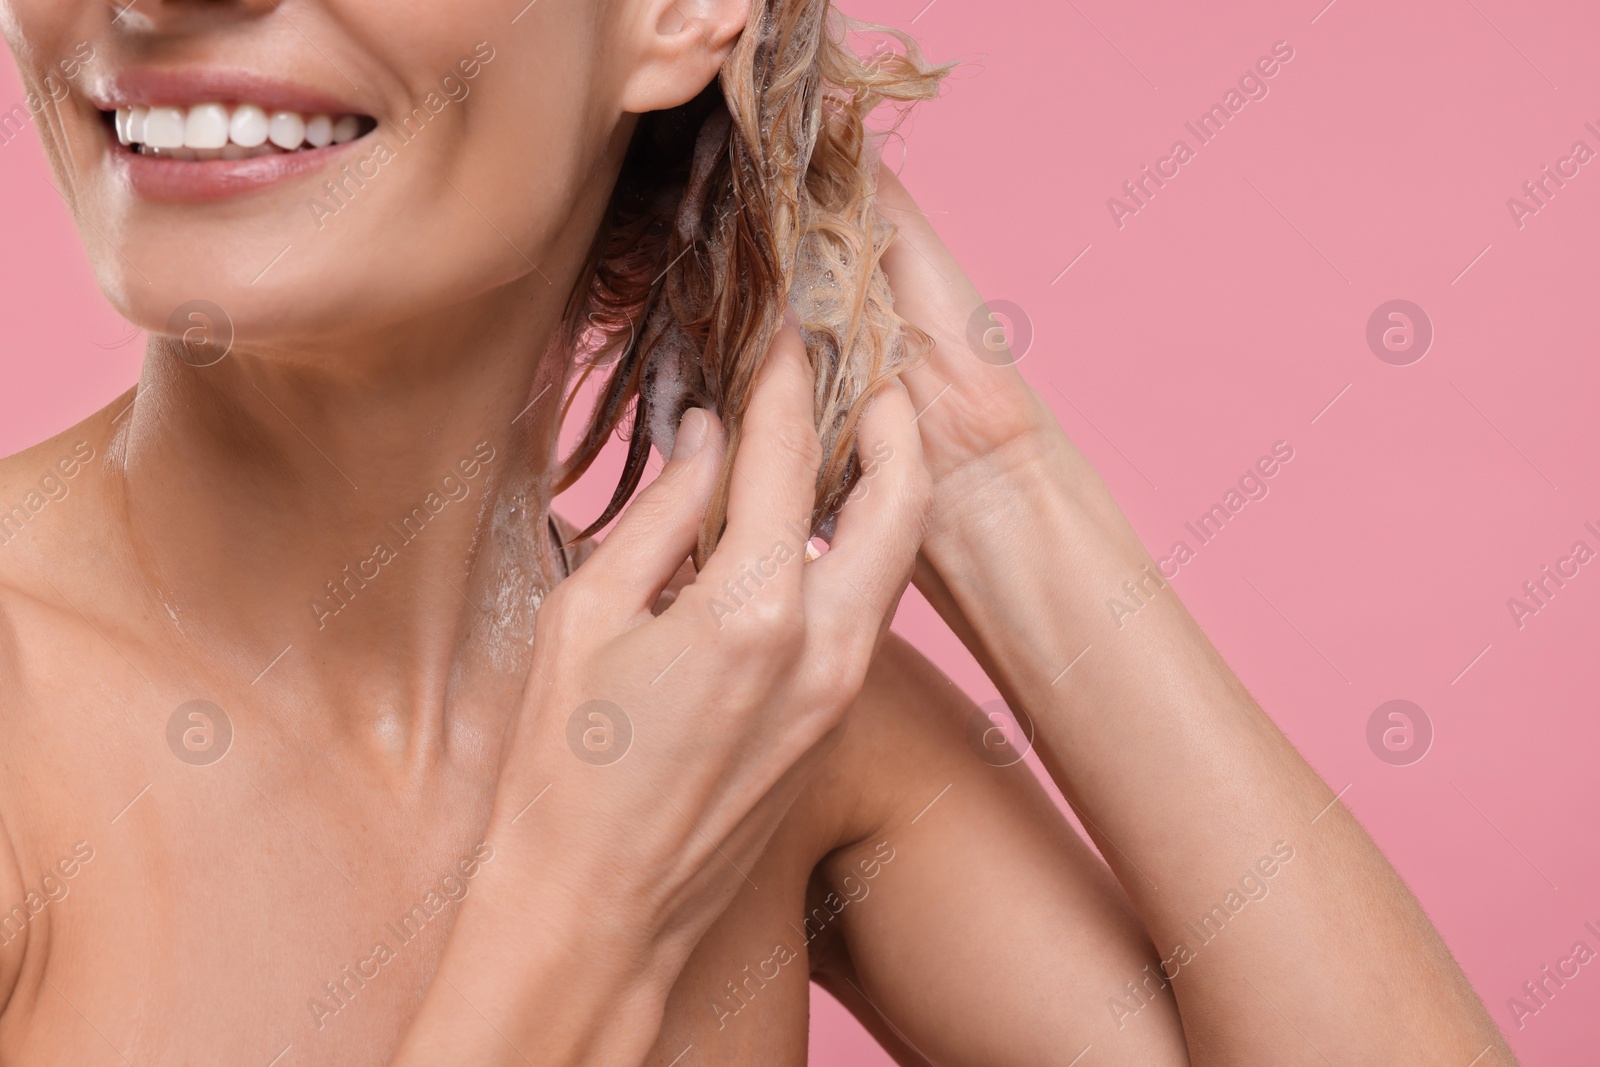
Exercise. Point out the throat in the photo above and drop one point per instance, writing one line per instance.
(394, 616)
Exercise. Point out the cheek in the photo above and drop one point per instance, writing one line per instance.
(33, 28)
(496, 185)
(481, 195)
(44, 38)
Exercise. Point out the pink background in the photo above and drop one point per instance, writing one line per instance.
(1224, 316)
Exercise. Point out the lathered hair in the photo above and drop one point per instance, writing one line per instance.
(757, 195)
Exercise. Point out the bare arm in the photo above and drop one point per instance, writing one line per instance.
(977, 926)
(1188, 788)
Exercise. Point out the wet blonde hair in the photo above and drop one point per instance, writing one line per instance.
(756, 196)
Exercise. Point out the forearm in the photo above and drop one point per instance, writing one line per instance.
(1189, 788)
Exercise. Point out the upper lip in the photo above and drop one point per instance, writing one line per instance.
(157, 87)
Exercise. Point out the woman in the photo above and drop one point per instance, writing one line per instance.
(320, 745)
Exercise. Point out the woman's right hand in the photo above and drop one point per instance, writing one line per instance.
(664, 750)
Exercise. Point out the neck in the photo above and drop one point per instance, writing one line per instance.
(378, 508)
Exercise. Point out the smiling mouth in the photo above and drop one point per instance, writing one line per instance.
(233, 132)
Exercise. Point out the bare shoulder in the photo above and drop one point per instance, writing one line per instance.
(52, 544)
(38, 516)
(908, 744)
(47, 545)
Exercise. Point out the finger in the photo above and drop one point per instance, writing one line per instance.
(658, 529)
(853, 589)
(773, 485)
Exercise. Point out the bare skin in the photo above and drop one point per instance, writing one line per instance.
(218, 904)
(1184, 783)
(801, 796)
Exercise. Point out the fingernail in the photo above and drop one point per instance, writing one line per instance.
(691, 434)
(790, 318)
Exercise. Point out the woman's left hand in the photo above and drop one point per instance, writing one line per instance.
(1009, 489)
(983, 428)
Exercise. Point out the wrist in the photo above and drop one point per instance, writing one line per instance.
(1028, 555)
(555, 955)
(1027, 517)
(556, 855)
(531, 971)
(558, 880)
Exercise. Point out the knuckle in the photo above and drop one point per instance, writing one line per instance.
(552, 612)
(570, 605)
(819, 689)
(776, 621)
(764, 640)
(738, 638)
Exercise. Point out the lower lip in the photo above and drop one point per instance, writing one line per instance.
(185, 181)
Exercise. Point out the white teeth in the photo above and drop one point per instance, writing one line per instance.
(214, 131)
(249, 126)
(163, 128)
(287, 129)
(186, 154)
(319, 131)
(206, 127)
